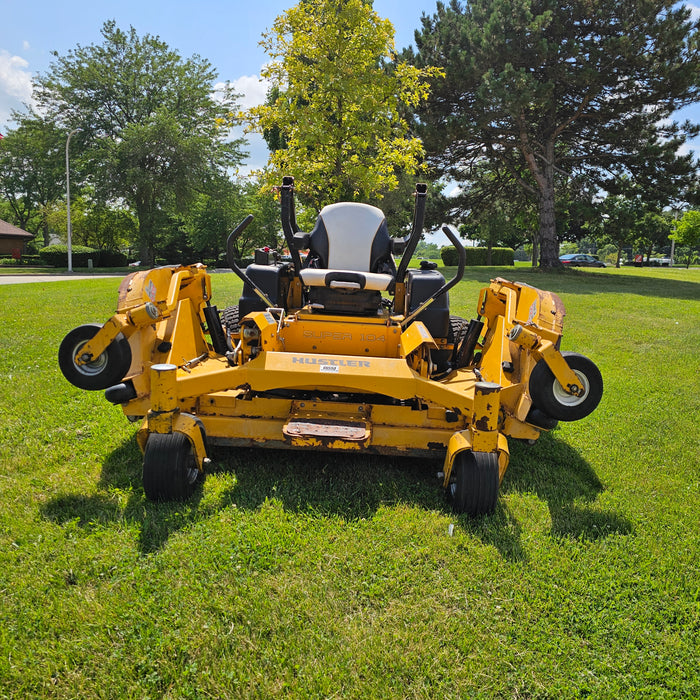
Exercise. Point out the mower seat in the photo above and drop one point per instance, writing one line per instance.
(349, 248)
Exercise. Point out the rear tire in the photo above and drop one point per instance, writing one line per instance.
(230, 319)
(170, 470)
(102, 372)
(475, 483)
(442, 359)
(549, 396)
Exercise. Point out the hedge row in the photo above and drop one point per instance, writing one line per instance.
(57, 256)
(7, 260)
(477, 256)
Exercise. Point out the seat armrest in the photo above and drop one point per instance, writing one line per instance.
(301, 240)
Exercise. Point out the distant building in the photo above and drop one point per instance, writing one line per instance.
(13, 239)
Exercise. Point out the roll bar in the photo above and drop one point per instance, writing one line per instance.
(289, 220)
(416, 231)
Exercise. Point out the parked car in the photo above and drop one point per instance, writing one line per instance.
(581, 260)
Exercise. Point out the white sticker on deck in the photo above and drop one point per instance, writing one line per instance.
(329, 368)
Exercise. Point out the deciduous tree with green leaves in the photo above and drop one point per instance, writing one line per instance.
(620, 215)
(686, 232)
(222, 207)
(550, 89)
(339, 102)
(154, 125)
(32, 171)
(652, 229)
(93, 224)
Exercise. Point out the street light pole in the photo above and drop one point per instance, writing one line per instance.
(70, 246)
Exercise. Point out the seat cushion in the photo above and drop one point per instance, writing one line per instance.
(344, 279)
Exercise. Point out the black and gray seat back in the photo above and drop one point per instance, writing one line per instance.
(349, 257)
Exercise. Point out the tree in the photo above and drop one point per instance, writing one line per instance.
(337, 107)
(653, 230)
(153, 128)
(431, 251)
(686, 232)
(32, 171)
(620, 216)
(549, 90)
(219, 210)
(93, 224)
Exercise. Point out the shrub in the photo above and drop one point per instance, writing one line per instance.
(111, 258)
(57, 255)
(477, 256)
(7, 260)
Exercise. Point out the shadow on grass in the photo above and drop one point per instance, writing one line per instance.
(588, 281)
(352, 486)
(121, 479)
(558, 475)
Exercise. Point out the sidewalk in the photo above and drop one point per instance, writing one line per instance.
(54, 277)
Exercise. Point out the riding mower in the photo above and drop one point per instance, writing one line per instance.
(340, 350)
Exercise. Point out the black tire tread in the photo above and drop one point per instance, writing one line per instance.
(118, 356)
(230, 319)
(166, 468)
(476, 483)
(541, 384)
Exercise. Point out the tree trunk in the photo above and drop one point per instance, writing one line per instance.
(535, 248)
(145, 244)
(549, 244)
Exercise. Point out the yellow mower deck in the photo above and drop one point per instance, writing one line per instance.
(298, 378)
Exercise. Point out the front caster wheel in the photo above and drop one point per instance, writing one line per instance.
(475, 483)
(549, 396)
(170, 470)
(102, 372)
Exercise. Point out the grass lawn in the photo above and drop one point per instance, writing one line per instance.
(311, 575)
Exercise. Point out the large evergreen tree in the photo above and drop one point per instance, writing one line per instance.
(549, 89)
(152, 126)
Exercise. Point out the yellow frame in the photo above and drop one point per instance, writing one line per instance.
(183, 385)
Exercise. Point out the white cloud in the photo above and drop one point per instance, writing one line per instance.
(15, 79)
(15, 84)
(26, 45)
(694, 12)
(253, 91)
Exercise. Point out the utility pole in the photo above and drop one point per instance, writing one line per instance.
(70, 243)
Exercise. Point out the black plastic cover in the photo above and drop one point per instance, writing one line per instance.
(420, 285)
(272, 279)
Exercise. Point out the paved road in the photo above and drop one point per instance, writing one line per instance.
(53, 277)
(64, 276)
